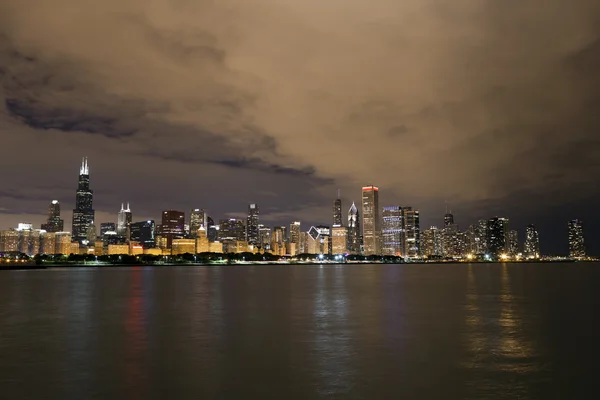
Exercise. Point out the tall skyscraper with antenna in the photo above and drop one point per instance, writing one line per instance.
(124, 219)
(337, 211)
(83, 214)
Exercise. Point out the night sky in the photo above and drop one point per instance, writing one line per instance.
(492, 106)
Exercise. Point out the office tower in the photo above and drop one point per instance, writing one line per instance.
(124, 219)
(197, 220)
(63, 243)
(354, 237)
(212, 230)
(532, 242)
(295, 234)
(337, 211)
(279, 240)
(9, 241)
(482, 232)
(54, 223)
(412, 232)
(83, 214)
(232, 229)
(513, 243)
(143, 233)
(172, 226)
(371, 221)
(496, 236)
(391, 231)
(339, 240)
(264, 234)
(576, 242)
(107, 227)
(476, 238)
(448, 219)
(432, 242)
(252, 235)
(450, 241)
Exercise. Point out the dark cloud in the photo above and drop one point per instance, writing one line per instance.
(490, 105)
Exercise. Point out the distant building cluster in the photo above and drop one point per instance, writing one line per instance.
(373, 231)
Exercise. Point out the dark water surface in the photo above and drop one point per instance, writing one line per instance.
(522, 331)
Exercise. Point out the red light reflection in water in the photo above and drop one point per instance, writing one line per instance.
(136, 343)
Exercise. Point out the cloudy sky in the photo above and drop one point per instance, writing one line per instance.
(492, 106)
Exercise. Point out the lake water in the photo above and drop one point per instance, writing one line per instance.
(486, 331)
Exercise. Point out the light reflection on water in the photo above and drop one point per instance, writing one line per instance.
(299, 332)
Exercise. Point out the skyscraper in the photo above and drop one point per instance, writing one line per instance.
(124, 219)
(143, 233)
(354, 238)
(576, 242)
(107, 227)
(337, 211)
(532, 242)
(371, 221)
(339, 240)
(252, 235)
(412, 232)
(232, 229)
(432, 242)
(54, 223)
(512, 243)
(83, 214)
(295, 233)
(392, 231)
(197, 219)
(497, 236)
(264, 234)
(172, 226)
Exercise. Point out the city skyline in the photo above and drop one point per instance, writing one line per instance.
(391, 230)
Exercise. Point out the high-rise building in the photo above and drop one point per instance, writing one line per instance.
(264, 234)
(450, 240)
(371, 220)
(54, 223)
(295, 233)
(319, 240)
(212, 230)
(252, 235)
(448, 219)
(107, 227)
(532, 242)
(432, 242)
(476, 238)
(497, 236)
(337, 211)
(412, 232)
(83, 214)
(391, 231)
(339, 240)
(143, 233)
(197, 220)
(513, 243)
(124, 219)
(172, 226)
(576, 241)
(232, 229)
(354, 236)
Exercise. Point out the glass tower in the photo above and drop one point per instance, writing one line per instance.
(83, 214)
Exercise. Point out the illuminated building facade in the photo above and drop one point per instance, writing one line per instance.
(264, 234)
(124, 219)
(252, 233)
(513, 243)
(143, 233)
(294, 240)
(371, 222)
(337, 211)
(432, 242)
(183, 246)
(54, 222)
(532, 242)
(83, 214)
(107, 227)
(339, 240)
(197, 220)
(496, 236)
(412, 232)
(172, 226)
(576, 241)
(391, 231)
(354, 236)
